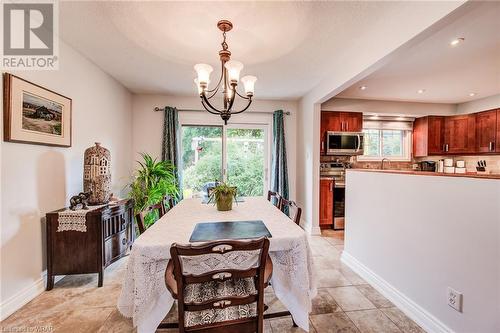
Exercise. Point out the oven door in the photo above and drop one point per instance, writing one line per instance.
(344, 143)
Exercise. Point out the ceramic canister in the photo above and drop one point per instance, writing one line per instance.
(97, 174)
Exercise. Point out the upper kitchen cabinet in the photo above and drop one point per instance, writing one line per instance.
(428, 136)
(486, 131)
(351, 121)
(460, 134)
(334, 121)
(341, 121)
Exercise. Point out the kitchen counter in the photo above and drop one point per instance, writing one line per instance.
(429, 173)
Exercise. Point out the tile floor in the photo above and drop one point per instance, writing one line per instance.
(345, 302)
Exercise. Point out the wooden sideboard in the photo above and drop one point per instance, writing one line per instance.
(110, 233)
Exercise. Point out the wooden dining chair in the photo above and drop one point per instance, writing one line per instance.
(219, 286)
(167, 203)
(141, 216)
(294, 211)
(274, 198)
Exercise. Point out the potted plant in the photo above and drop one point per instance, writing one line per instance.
(223, 195)
(151, 182)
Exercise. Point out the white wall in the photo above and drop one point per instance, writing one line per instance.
(38, 179)
(483, 104)
(422, 234)
(388, 107)
(148, 125)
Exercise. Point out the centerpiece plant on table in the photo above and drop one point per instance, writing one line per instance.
(223, 195)
(151, 182)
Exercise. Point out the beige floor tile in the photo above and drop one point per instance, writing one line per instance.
(373, 321)
(335, 241)
(325, 263)
(324, 303)
(402, 321)
(285, 325)
(116, 323)
(350, 298)
(374, 296)
(337, 322)
(273, 303)
(329, 278)
(350, 275)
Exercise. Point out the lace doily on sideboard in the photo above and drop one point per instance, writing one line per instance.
(74, 220)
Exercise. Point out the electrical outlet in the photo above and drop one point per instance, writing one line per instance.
(455, 299)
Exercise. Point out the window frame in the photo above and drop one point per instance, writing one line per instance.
(406, 147)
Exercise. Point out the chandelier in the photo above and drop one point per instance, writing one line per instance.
(227, 83)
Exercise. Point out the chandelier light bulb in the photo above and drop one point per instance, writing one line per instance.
(200, 88)
(203, 71)
(233, 70)
(249, 84)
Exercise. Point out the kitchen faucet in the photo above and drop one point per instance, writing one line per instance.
(382, 162)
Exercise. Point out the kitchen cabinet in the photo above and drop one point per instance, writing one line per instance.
(428, 136)
(460, 134)
(339, 122)
(486, 131)
(326, 203)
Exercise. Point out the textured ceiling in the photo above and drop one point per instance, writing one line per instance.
(447, 74)
(150, 47)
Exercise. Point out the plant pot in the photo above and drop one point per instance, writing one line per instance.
(224, 202)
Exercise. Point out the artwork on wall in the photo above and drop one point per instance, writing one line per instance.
(33, 114)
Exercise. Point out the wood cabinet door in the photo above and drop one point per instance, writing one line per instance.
(498, 131)
(352, 121)
(460, 134)
(326, 203)
(486, 131)
(435, 135)
(331, 121)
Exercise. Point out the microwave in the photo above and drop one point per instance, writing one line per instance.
(344, 143)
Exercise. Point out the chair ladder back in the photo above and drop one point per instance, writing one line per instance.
(141, 216)
(256, 273)
(293, 205)
(274, 198)
(167, 203)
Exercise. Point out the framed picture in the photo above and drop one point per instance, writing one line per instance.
(33, 114)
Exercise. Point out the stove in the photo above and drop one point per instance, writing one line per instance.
(335, 170)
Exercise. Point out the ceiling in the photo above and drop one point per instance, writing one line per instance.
(151, 47)
(448, 74)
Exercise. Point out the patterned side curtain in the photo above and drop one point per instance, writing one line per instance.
(279, 172)
(170, 145)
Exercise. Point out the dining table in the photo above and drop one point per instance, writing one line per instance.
(144, 296)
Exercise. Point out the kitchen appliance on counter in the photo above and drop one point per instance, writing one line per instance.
(427, 166)
(344, 143)
(336, 171)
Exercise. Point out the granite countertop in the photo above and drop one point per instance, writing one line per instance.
(438, 174)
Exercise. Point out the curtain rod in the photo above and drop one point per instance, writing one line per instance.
(156, 109)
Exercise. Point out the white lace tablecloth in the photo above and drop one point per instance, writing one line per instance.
(144, 296)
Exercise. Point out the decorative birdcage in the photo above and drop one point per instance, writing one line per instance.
(97, 174)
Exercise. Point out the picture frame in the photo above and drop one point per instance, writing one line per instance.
(34, 114)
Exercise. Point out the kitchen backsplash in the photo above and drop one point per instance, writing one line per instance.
(492, 161)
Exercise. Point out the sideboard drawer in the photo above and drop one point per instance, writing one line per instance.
(115, 246)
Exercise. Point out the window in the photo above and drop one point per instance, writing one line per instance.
(393, 144)
(233, 153)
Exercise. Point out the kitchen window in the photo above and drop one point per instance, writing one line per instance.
(386, 139)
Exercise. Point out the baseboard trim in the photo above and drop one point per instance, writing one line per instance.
(418, 314)
(17, 301)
